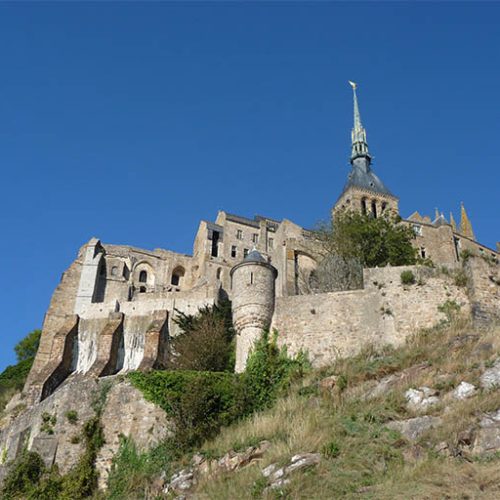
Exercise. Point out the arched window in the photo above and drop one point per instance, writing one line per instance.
(219, 273)
(363, 206)
(374, 209)
(143, 277)
(177, 276)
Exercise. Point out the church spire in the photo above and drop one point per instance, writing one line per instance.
(452, 222)
(358, 134)
(465, 223)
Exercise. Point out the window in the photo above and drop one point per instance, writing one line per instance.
(215, 243)
(114, 271)
(142, 289)
(177, 276)
(271, 243)
(363, 206)
(251, 278)
(417, 229)
(219, 273)
(384, 206)
(143, 277)
(245, 252)
(239, 234)
(423, 253)
(374, 209)
(233, 252)
(255, 238)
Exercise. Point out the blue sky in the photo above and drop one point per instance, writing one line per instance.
(133, 121)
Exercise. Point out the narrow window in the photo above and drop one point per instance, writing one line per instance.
(374, 209)
(363, 206)
(239, 234)
(143, 277)
(219, 272)
(142, 289)
(175, 279)
(215, 243)
(255, 238)
(271, 243)
(384, 206)
(423, 253)
(233, 252)
(245, 252)
(251, 278)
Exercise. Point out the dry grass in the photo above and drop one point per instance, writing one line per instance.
(370, 461)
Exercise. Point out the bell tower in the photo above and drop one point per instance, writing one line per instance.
(364, 192)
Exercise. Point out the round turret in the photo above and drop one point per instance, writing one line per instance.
(252, 302)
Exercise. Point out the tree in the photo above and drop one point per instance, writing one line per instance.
(27, 347)
(374, 242)
(352, 241)
(205, 343)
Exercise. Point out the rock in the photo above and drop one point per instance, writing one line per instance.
(414, 454)
(487, 438)
(181, 481)
(413, 428)
(391, 381)
(269, 470)
(197, 459)
(491, 377)
(421, 398)
(328, 383)
(302, 461)
(464, 390)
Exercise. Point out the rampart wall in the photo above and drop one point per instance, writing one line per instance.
(386, 311)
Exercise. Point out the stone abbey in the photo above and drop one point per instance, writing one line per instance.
(114, 307)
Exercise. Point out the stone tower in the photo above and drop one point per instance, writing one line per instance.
(364, 192)
(253, 294)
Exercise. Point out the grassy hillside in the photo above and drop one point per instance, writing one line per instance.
(12, 380)
(348, 425)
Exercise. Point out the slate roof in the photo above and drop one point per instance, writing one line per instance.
(363, 177)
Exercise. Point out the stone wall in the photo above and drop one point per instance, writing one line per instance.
(385, 311)
(484, 288)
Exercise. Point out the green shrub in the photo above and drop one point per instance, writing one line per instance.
(23, 476)
(206, 342)
(72, 416)
(331, 449)
(450, 309)
(460, 278)
(408, 278)
(269, 371)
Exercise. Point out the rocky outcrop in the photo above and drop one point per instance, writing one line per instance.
(413, 428)
(53, 428)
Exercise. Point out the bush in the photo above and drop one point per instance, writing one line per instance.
(371, 241)
(198, 402)
(460, 278)
(408, 278)
(23, 476)
(72, 416)
(205, 343)
(269, 371)
(450, 309)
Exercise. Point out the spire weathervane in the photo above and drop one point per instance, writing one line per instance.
(358, 134)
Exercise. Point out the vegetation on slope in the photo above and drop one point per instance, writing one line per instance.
(362, 457)
(12, 379)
